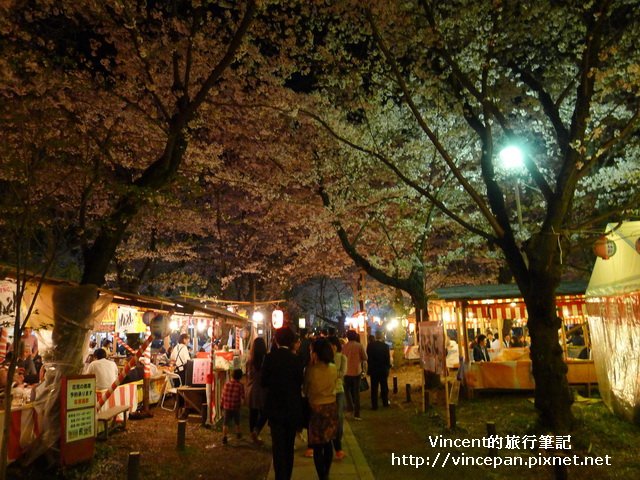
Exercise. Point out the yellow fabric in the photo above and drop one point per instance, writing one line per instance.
(320, 383)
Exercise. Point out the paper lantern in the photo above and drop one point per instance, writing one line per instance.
(148, 316)
(277, 319)
(160, 326)
(638, 244)
(604, 248)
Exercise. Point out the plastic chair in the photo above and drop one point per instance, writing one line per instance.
(171, 389)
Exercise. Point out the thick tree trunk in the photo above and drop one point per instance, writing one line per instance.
(553, 397)
(73, 318)
(420, 303)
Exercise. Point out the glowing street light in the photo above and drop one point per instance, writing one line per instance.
(512, 157)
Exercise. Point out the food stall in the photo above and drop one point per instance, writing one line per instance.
(467, 311)
(108, 314)
(128, 319)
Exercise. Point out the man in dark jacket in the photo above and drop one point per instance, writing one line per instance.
(282, 376)
(480, 352)
(378, 369)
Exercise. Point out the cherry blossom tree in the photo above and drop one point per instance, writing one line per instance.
(474, 77)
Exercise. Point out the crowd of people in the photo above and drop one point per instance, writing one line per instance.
(298, 383)
(487, 347)
(306, 383)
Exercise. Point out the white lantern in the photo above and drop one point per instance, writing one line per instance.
(277, 319)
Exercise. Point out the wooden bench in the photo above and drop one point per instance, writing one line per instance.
(108, 416)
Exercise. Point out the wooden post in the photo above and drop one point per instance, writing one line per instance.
(395, 384)
(447, 401)
(465, 334)
(205, 413)
(452, 416)
(424, 392)
(560, 471)
(408, 392)
(182, 432)
(133, 467)
(146, 385)
(491, 431)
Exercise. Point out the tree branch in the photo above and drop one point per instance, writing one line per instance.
(400, 175)
(604, 149)
(475, 196)
(224, 62)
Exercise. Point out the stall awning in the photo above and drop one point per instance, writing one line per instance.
(504, 302)
(500, 291)
(185, 307)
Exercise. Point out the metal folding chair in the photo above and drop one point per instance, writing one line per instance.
(170, 388)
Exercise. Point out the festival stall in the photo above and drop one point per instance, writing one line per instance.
(613, 306)
(63, 313)
(29, 400)
(467, 311)
(128, 319)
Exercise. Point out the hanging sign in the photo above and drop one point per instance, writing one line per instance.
(7, 303)
(130, 320)
(201, 368)
(432, 351)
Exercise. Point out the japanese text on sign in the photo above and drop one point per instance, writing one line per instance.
(80, 424)
(81, 393)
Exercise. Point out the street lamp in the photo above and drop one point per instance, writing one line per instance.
(512, 159)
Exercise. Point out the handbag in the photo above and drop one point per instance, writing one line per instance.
(306, 413)
(364, 384)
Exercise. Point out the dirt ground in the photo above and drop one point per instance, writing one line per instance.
(401, 429)
(156, 438)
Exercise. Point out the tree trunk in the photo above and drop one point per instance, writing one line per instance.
(73, 318)
(420, 303)
(553, 397)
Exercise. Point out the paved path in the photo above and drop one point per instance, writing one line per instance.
(353, 467)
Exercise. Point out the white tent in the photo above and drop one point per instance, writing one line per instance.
(613, 307)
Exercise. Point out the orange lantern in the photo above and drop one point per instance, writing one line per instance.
(604, 248)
